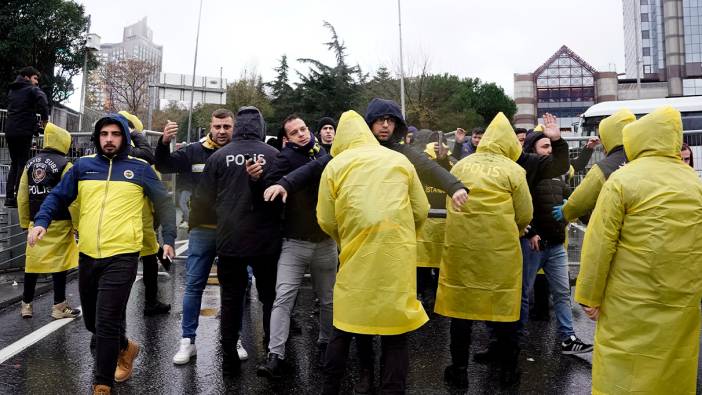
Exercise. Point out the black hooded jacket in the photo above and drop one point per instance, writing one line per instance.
(24, 101)
(430, 173)
(545, 194)
(247, 226)
(540, 167)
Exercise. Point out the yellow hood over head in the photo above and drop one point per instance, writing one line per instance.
(499, 138)
(352, 132)
(56, 138)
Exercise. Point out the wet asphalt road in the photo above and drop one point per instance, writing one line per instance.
(62, 364)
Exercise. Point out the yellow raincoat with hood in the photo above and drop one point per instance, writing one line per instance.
(641, 263)
(582, 201)
(430, 239)
(372, 203)
(481, 270)
(58, 250)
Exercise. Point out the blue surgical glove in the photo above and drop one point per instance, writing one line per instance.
(557, 211)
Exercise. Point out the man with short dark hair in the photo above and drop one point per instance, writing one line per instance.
(110, 187)
(190, 160)
(25, 101)
(521, 135)
(463, 147)
(304, 243)
(543, 248)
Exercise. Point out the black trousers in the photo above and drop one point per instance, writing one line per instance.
(394, 361)
(233, 280)
(19, 147)
(30, 284)
(105, 285)
(427, 280)
(150, 277)
(505, 333)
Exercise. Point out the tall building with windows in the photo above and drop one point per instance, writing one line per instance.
(137, 43)
(565, 85)
(663, 42)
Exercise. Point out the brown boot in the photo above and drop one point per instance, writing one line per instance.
(101, 389)
(125, 362)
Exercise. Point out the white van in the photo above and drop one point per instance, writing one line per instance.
(690, 108)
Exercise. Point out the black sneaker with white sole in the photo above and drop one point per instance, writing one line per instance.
(573, 345)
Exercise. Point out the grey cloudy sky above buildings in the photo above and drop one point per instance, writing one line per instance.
(491, 40)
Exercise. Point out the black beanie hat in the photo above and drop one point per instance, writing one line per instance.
(325, 121)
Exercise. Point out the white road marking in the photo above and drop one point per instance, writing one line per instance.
(182, 248)
(32, 338)
(27, 341)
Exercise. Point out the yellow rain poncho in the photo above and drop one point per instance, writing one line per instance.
(430, 240)
(641, 264)
(481, 270)
(372, 203)
(582, 201)
(58, 250)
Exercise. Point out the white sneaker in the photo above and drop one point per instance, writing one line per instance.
(186, 350)
(243, 355)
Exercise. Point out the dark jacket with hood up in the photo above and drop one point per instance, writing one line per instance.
(300, 215)
(24, 102)
(545, 194)
(539, 167)
(429, 172)
(247, 226)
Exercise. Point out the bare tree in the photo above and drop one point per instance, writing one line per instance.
(126, 84)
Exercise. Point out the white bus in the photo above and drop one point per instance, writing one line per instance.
(690, 108)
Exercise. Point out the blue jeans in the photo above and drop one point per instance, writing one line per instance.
(202, 249)
(554, 261)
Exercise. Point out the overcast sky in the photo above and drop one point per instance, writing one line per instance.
(490, 39)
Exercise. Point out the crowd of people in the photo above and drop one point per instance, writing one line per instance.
(350, 203)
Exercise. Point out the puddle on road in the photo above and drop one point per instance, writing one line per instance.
(208, 312)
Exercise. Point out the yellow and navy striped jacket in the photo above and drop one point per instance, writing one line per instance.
(110, 193)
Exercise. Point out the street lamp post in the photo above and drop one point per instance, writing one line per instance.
(92, 43)
(192, 87)
(402, 69)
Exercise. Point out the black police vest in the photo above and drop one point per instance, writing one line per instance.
(43, 174)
